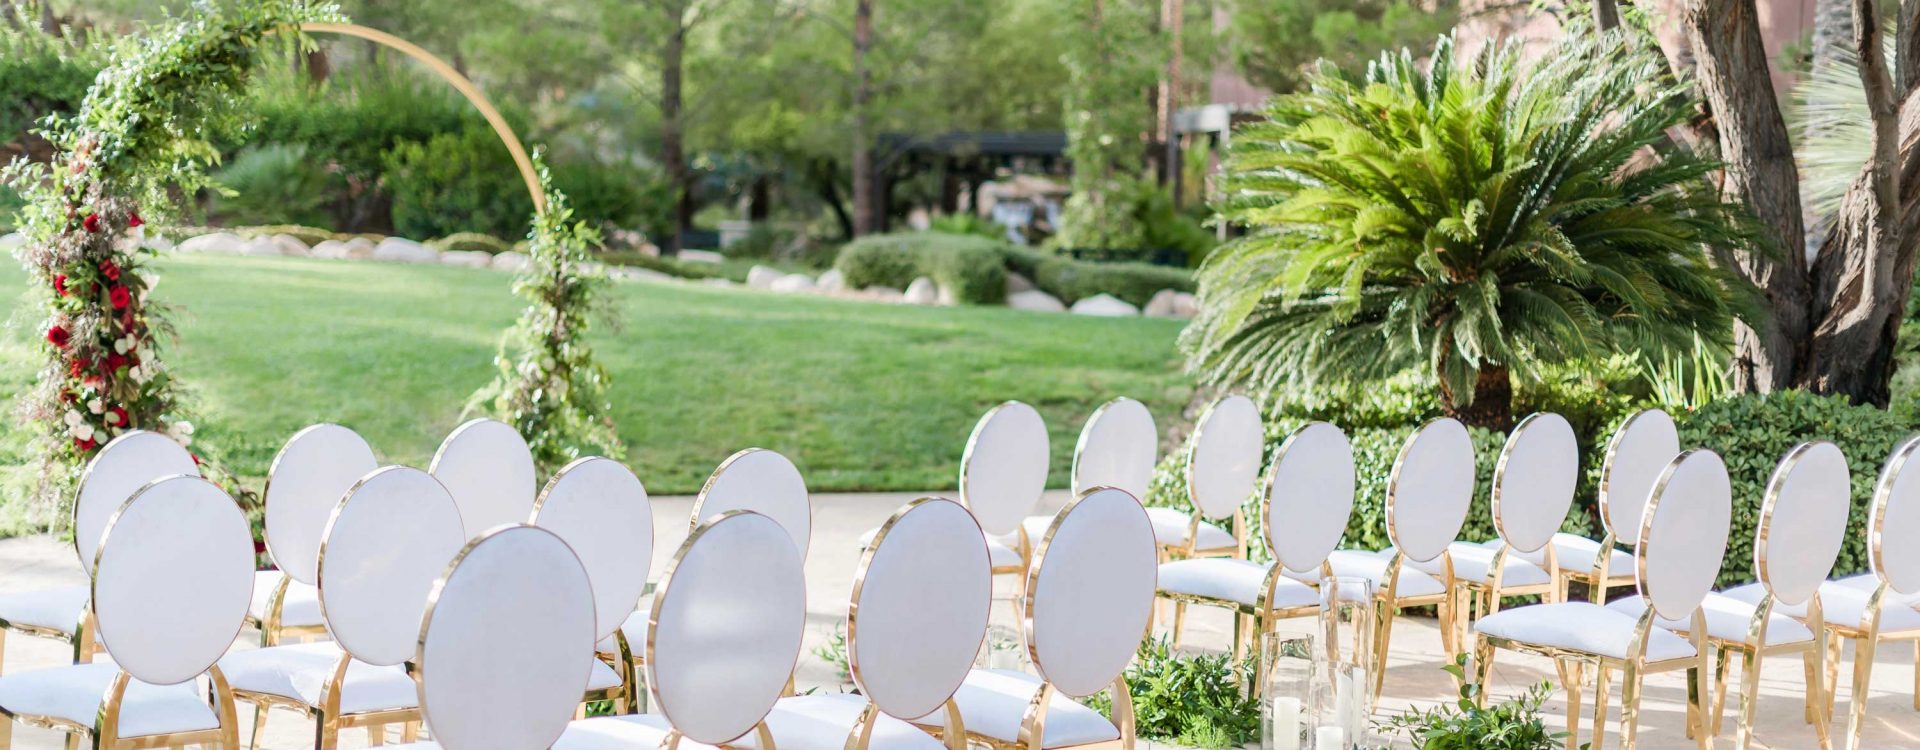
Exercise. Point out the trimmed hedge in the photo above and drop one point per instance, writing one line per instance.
(1072, 280)
(485, 243)
(972, 269)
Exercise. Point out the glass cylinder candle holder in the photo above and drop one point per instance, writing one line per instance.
(1339, 700)
(1284, 685)
(1347, 610)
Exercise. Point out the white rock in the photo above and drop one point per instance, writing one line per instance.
(922, 292)
(945, 298)
(719, 282)
(291, 246)
(1034, 299)
(883, 294)
(360, 248)
(329, 249)
(1105, 305)
(793, 282)
(466, 258)
(762, 277)
(701, 256)
(831, 282)
(159, 243)
(1185, 306)
(1017, 284)
(403, 250)
(215, 243)
(1161, 305)
(511, 260)
(262, 248)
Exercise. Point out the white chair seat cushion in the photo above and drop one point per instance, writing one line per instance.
(1575, 554)
(1233, 580)
(1001, 551)
(602, 676)
(1727, 620)
(1472, 561)
(301, 608)
(626, 733)
(635, 628)
(1843, 604)
(1868, 582)
(1580, 626)
(300, 671)
(993, 701)
(1373, 567)
(57, 609)
(1170, 530)
(823, 722)
(74, 694)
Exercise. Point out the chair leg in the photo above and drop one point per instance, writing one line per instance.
(1239, 637)
(1570, 678)
(376, 735)
(1814, 670)
(1816, 697)
(1722, 664)
(1482, 669)
(6, 733)
(1179, 623)
(1916, 675)
(73, 742)
(1381, 641)
(1862, 679)
(259, 726)
(1749, 700)
(410, 732)
(1600, 699)
(326, 732)
(1630, 684)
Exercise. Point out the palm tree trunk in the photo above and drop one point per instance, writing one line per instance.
(1492, 405)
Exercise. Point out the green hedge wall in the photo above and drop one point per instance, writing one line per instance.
(971, 268)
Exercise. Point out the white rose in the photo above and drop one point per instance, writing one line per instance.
(120, 346)
(84, 431)
(74, 418)
(182, 429)
(96, 406)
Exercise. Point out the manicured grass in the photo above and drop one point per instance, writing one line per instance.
(861, 396)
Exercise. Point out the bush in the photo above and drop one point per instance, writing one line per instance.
(1194, 701)
(275, 184)
(470, 241)
(1752, 432)
(969, 224)
(1073, 281)
(1464, 725)
(456, 182)
(972, 269)
(616, 194)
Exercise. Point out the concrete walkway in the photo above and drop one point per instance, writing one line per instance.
(1414, 676)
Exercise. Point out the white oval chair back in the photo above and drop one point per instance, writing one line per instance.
(387, 542)
(1896, 519)
(124, 465)
(309, 475)
(1004, 470)
(1118, 448)
(1223, 459)
(1683, 533)
(1309, 496)
(601, 511)
(172, 578)
(506, 643)
(727, 626)
(1430, 489)
(1803, 521)
(1089, 594)
(1636, 456)
(1534, 481)
(488, 468)
(764, 482)
(919, 608)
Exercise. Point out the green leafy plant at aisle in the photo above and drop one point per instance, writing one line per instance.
(144, 133)
(1481, 220)
(1191, 700)
(1463, 725)
(550, 388)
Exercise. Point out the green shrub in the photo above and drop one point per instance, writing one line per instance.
(470, 241)
(1464, 725)
(616, 194)
(972, 269)
(275, 184)
(1194, 701)
(457, 182)
(762, 241)
(969, 224)
(1752, 432)
(1072, 280)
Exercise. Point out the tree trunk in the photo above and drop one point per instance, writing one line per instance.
(864, 199)
(1606, 15)
(1733, 71)
(673, 156)
(1906, 53)
(1492, 405)
(1172, 18)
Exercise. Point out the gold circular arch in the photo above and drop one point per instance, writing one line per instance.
(460, 83)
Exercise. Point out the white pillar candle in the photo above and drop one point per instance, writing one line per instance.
(1329, 738)
(1346, 702)
(1286, 723)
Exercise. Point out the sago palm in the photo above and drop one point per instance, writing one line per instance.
(1474, 219)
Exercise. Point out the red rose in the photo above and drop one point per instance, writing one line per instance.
(84, 445)
(60, 284)
(109, 270)
(92, 222)
(120, 416)
(76, 367)
(196, 459)
(58, 336)
(133, 219)
(120, 297)
(69, 397)
(115, 362)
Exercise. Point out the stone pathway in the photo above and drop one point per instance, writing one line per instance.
(1414, 677)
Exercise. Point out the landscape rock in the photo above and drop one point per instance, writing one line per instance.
(215, 243)
(885, 294)
(701, 256)
(1105, 305)
(402, 250)
(1034, 299)
(945, 297)
(157, 243)
(793, 282)
(762, 277)
(510, 261)
(291, 246)
(467, 258)
(1186, 305)
(330, 250)
(1017, 284)
(831, 282)
(718, 282)
(262, 248)
(922, 292)
(1161, 305)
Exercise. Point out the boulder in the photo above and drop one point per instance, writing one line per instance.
(1185, 305)
(922, 292)
(701, 256)
(762, 277)
(831, 282)
(1034, 299)
(1017, 284)
(1105, 305)
(793, 282)
(262, 248)
(466, 258)
(329, 249)
(215, 243)
(510, 261)
(291, 246)
(402, 250)
(360, 248)
(1161, 305)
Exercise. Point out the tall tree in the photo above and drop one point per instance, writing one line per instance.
(865, 210)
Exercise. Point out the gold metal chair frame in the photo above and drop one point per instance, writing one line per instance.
(1752, 650)
(81, 641)
(1596, 579)
(104, 733)
(272, 632)
(1192, 549)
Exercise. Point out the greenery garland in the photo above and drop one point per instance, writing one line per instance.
(143, 136)
(550, 388)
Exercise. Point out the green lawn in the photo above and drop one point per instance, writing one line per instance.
(861, 396)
